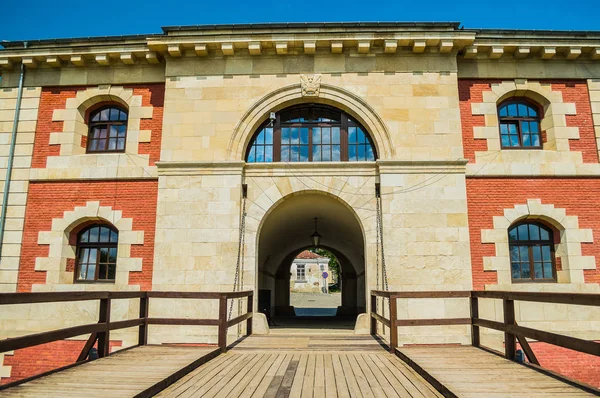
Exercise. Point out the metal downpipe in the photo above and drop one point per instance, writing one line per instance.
(11, 155)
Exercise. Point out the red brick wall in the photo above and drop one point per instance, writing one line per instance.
(48, 200)
(488, 197)
(55, 98)
(32, 361)
(471, 91)
(569, 363)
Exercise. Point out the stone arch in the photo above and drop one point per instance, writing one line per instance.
(568, 250)
(292, 95)
(60, 249)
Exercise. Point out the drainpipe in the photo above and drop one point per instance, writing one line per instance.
(11, 155)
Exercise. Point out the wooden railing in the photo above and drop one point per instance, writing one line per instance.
(512, 331)
(100, 331)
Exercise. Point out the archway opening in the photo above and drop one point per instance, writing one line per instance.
(285, 233)
(315, 284)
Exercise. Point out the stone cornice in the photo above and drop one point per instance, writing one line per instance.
(301, 169)
(199, 168)
(422, 167)
(298, 39)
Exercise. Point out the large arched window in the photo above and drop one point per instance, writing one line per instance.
(311, 133)
(531, 253)
(97, 253)
(108, 129)
(519, 124)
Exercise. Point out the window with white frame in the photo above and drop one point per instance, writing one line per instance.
(300, 272)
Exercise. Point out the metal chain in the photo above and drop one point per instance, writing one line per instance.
(240, 253)
(377, 255)
(383, 268)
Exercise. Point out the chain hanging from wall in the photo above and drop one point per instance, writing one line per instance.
(383, 284)
(238, 281)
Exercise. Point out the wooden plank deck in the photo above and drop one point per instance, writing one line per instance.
(139, 370)
(474, 373)
(304, 366)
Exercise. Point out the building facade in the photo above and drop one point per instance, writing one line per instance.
(167, 161)
(306, 273)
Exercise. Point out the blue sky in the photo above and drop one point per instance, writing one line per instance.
(42, 19)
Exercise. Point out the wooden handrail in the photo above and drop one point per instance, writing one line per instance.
(100, 331)
(512, 331)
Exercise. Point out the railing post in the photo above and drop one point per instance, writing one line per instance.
(393, 323)
(249, 310)
(510, 344)
(143, 330)
(373, 310)
(475, 337)
(223, 322)
(104, 337)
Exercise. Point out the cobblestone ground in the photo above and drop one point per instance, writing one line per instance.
(315, 300)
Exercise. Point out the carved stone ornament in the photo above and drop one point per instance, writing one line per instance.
(311, 84)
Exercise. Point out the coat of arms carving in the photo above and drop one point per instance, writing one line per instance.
(311, 84)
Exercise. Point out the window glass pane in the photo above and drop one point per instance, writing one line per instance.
(268, 154)
(504, 128)
(326, 135)
(537, 253)
(370, 154)
(524, 127)
(260, 153)
(335, 135)
(261, 138)
(544, 235)
(335, 153)
(304, 153)
(525, 271)
(114, 237)
(104, 254)
(514, 140)
(526, 140)
(524, 253)
(512, 234)
(361, 153)
(532, 112)
(84, 236)
(96, 117)
(361, 136)
(352, 152)
(316, 135)
(516, 270)
(512, 110)
(534, 232)
(503, 111)
(269, 135)
(352, 135)
(122, 130)
(295, 135)
(121, 144)
(102, 271)
(546, 253)
(101, 133)
(523, 232)
(94, 233)
(112, 144)
(251, 157)
(285, 135)
(522, 110)
(535, 140)
(304, 135)
(112, 270)
(104, 234)
(93, 145)
(548, 271)
(112, 255)
(101, 144)
(104, 114)
(285, 153)
(316, 153)
(538, 271)
(326, 153)
(534, 127)
(514, 253)
(114, 114)
(512, 129)
(123, 116)
(505, 140)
